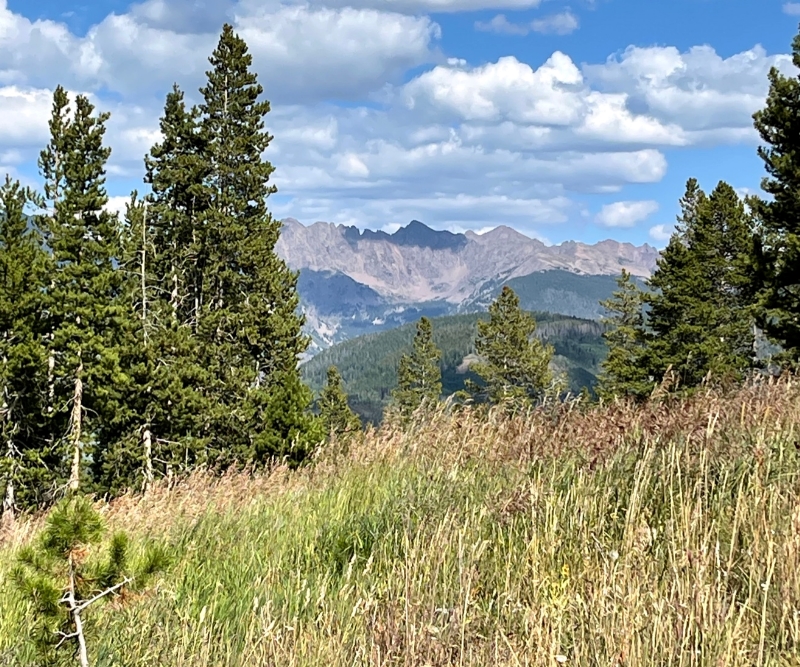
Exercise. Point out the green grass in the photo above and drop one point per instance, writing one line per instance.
(668, 535)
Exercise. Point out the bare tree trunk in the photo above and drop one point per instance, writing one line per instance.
(147, 441)
(9, 504)
(76, 610)
(144, 274)
(75, 430)
(51, 383)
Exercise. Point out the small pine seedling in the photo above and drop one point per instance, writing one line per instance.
(66, 571)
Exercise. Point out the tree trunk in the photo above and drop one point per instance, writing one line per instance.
(51, 383)
(75, 431)
(144, 274)
(8, 431)
(9, 503)
(75, 611)
(147, 441)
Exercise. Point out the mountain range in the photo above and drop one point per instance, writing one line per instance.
(354, 282)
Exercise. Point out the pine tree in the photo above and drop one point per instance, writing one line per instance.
(778, 245)
(514, 365)
(63, 577)
(181, 411)
(700, 316)
(248, 323)
(164, 424)
(336, 415)
(419, 377)
(84, 315)
(24, 467)
(623, 374)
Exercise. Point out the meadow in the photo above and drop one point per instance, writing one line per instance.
(663, 534)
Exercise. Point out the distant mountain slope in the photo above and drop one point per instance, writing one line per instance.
(555, 291)
(353, 282)
(369, 363)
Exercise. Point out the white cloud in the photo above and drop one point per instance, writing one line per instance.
(24, 112)
(301, 52)
(563, 23)
(626, 213)
(661, 233)
(507, 89)
(118, 205)
(501, 25)
(707, 96)
(433, 6)
(791, 8)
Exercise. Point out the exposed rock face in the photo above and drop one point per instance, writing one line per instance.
(354, 281)
(417, 263)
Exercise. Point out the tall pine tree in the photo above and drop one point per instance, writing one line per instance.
(419, 377)
(623, 374)
(514, 365)
(165, 424)
(700, 317)
(82, 298)
(24, 466)
(247, 320)
(778, 245)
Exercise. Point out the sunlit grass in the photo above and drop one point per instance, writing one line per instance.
(666, 535)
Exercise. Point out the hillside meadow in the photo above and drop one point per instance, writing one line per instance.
(667, 534)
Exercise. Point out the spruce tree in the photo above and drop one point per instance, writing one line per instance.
(514, 365)
(247, 322)
(700, 317)
(419, 377)
(165, 424)
(778, 244)
(336, 415)
(625, 335)
(81, 299)
(24, 466)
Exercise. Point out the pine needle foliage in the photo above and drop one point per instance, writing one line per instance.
(625, 335)
(514, 365)
(419, 376)
(69, 569)
(336, 415)
(778, 244)
(81, 299)
(23, 268)
(701, 316)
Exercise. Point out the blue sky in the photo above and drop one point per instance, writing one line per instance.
(566, 120)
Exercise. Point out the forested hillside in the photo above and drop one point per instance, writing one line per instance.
(369, 363)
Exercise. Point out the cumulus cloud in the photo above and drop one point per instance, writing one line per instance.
(302, 53)
(661, 233)
(433, 6)
(708, 96)
(626, 213)
(25, 112)
(458, 145)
